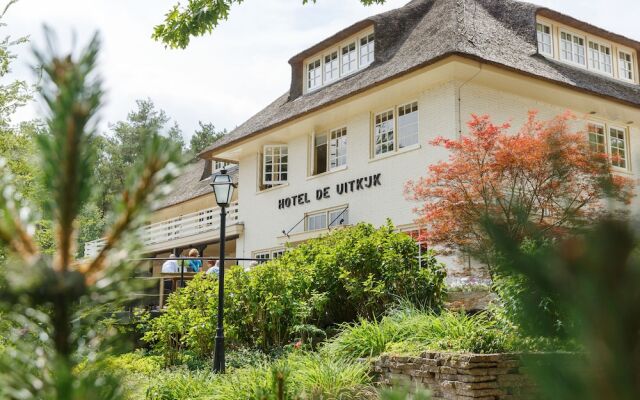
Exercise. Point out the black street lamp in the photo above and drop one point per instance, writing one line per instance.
(223, 190)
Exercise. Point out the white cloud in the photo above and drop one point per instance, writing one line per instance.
(228, 76)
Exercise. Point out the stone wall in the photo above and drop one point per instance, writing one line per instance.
(458, 376)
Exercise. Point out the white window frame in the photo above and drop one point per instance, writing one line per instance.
(590, 58)
(604, 137)
(396, 134)
(621, 63)
(607, 127)
(573, 48)
(371, 50)
(541, 35)
(337, 161)
(265, 154)
(269, 254)
(330, 167)
(393, 140)
(317, 78)
(307, 217)
(314, 155)
(342, 212)
(625, 150)
(334, 71)
(343, 71)
(326, 215)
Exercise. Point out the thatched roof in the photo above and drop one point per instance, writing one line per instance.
(499, 32)
(193, 182)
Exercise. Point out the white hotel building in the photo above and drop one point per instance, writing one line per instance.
(363, 105)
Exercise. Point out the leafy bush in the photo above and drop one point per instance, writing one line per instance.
(351, 273)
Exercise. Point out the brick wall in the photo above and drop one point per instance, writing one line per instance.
(458, 376)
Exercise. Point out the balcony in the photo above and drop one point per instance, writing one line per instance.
(185, 230)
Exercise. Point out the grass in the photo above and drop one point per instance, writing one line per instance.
(409, 330)
(299, 375)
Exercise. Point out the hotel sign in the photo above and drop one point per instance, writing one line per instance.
(354, 185)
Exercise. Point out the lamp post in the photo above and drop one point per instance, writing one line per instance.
(223, 190)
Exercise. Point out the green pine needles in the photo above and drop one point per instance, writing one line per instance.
(54, 304)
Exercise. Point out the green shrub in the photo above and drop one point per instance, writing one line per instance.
(352, 273)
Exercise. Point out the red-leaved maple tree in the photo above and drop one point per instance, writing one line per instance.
(545, 175)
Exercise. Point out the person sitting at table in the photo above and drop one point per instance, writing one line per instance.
(170, 266)
(195, 265)
(213, 268)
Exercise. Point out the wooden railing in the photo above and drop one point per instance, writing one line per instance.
(207, 220)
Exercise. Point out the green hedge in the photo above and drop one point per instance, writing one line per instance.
(352, 273)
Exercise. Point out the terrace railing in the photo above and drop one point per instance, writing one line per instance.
(174, 229)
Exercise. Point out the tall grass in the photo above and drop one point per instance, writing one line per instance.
(300, 375)
(409, 330)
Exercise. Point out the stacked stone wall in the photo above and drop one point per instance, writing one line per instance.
(450, 376)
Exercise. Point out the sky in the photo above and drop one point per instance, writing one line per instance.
(225, 77)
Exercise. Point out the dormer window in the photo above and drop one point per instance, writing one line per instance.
(625, 64)
(314, 75)
(366, 50)
(342, 59)
(600, 58)
(572, 48)
(349, 58)
(331, 67)
(545, 39)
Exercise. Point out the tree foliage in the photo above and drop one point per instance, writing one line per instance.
(55, 301)
(200, 17)
(545, 176)
(204, 137)
(124, 145)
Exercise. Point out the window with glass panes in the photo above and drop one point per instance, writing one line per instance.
(408, 125)
(275, 165)
(600, 57)
(320, 153)
(218, 165)
(367, 45)
(316, 221)
(572, 48)
(545, 43)
(338, 217)
(596, 138)
(331, 67)
(338, 148)
(277, 253)
(617, 146)
(349, 58)
(314, 74)
(625, 65)
(383, 133)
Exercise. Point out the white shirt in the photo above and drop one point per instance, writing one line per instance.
(170, 267)
(215, 269)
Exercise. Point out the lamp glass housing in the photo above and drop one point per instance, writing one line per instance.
(222, 188)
